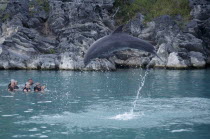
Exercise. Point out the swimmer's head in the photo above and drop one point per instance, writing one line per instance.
(30, 81)
(28, 84)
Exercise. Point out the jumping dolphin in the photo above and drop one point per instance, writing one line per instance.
(106, 46)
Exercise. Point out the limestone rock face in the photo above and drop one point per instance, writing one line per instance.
(174, 61)
(197, 59)
(174, 44)
(200, 9)
(57, 34)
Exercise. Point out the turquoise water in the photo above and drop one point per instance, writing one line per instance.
(96, 105)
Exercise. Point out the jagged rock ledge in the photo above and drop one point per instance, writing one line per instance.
(56, 35)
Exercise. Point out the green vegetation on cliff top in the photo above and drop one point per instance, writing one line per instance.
(42, 4)
(151, 9)
(3, 6)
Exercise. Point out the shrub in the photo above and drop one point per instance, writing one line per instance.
(151, 9)
(3, 7)
(52, 51)
(42, 4)
(4, 17)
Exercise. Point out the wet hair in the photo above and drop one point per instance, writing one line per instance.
(27, 83)
(12, 80)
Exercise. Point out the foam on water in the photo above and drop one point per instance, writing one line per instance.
(19, 136)
(149, 113)
(181, 130)
(43, 136)
(44, 102)
(43, 127)
(27, 111)
(46, 90)
(126, 116)
(7, 96)
(10, 115)
(33, 129)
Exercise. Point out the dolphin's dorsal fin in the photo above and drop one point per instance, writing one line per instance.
(119, 29)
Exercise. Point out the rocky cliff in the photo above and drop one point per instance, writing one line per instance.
(55, 34)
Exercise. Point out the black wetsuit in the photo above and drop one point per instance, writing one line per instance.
(10, 88)
(36, 88)
(27, 89)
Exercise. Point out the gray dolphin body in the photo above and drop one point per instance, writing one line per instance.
(116, 41)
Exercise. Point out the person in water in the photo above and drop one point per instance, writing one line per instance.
(39, 88)
(31, 81)
(16, 85)
(11, 86)
(11, 82)
(27, 87)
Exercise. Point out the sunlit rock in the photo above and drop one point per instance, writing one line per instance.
(197, 59)
(175, 61)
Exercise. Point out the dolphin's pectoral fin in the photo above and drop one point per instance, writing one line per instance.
(118, 30)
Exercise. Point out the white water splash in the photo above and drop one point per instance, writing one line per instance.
(139, 90)
(125, 116)
(130, 115)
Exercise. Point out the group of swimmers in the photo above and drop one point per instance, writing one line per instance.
(13, 86)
